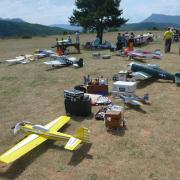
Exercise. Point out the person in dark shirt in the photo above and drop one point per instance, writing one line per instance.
(119, 44)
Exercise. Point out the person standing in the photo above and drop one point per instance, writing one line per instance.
(124, 40)
(119, 44)
(168, 36)
(77, 37)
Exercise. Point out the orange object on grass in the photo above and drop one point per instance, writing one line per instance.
(59, 51)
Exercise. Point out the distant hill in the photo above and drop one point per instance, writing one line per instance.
(147, 26)
(22, 29)
(13, 20)
(161, 18)
(69, 27)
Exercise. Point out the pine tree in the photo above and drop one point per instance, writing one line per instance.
(97, 15)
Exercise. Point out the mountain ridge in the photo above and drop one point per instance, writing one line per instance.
(162, 18)
(22, 29)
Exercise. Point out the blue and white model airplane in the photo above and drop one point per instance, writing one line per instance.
(135, 100)
(61, 61)
(141, 72)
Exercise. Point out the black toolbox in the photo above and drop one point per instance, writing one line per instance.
(80, 107)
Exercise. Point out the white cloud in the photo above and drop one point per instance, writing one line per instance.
(139, 10)
(37, 11)
(58, 11)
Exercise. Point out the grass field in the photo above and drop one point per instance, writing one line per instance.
(148, 149)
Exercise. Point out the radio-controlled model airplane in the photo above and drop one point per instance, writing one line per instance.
(141, 54)
(135, 100)
(37, 134)
(23, 59)
(61, 61)
(141, 72)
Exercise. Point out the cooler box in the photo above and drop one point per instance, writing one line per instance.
(114, 119)
(98, 89)
(123, 88)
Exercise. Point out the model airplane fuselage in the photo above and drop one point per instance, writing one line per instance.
(140, 71)
(37, 134)
(145, 54)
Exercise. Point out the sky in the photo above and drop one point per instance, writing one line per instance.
(49, 12)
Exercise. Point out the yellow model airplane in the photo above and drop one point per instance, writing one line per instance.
(37, 134)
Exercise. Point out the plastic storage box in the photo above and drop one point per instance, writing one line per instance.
(123, 88)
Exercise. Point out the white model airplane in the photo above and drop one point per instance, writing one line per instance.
(23, 59)
(37, 134)
(60, 61)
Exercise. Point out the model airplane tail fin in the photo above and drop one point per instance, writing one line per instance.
(80, 62)
(83, 134)
(146, 97)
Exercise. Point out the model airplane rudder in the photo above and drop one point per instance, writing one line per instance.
(83, 134)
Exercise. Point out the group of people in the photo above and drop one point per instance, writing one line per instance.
(125, 41)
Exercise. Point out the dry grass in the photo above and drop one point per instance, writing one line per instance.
(149, 149)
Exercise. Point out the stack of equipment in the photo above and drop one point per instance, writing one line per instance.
(114, 118)
(76, 103)
(96, 85)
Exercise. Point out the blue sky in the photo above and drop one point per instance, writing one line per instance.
(57, 11)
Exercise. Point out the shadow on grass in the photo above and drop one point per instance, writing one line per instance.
(55, 68)
(60, 67)
(142, 60)
(82, 118)
(80, 154)
(145, 83)
(118, 131)
(16, 168)
(139, 109)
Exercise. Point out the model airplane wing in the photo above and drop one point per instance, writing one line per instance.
(141, 75)
(73, 144)
(22, 148)
(56, 124)
(55, 63)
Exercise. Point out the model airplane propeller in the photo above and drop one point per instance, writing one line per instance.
(37, 134)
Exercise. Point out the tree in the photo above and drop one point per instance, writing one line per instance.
(97, 15)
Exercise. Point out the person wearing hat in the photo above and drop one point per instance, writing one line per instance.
(168, 36)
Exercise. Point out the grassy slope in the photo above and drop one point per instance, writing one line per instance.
(15, 29)
(149, 149)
